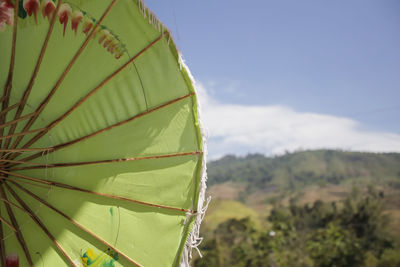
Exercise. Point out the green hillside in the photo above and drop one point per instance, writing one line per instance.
(297, 170)
(307, 198)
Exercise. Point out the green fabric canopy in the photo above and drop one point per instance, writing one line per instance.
(102, 156)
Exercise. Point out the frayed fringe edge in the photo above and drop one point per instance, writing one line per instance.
(153, 20)
(194, 239)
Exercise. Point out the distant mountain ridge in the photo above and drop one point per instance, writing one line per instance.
(297, 170)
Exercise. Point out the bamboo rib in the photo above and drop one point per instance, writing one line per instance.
(33, 149)
(14, 222)
(2, 247)
(9, 108)
(23, 162)
(27, 182)
(60, 80)
(40, 224)
(74, 188)
(8, 224)
(3, 125)
(70, 164)
(21, 134)
(17, 161)
(92, 92)
(25, 96)
(8, 85)
(6, 99)
(66, 144)
(12, 204)
(26, 178)
(75, 223)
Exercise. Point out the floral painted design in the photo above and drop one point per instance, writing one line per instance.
(32, 8)
(76, 19)
(87, 26)
(63, 14)
(66, 13)
(48, 7)
(6, 14)
(12, 260)
(91, 259)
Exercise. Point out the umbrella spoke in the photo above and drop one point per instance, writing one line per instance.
(33, 149)
(40, 224)
(70, 164)
(21, 104)
(22, 162)
(2, 247)
(7, 223)
(74, 222)
(74, 188)
(60, 80)
(9, 108)
(3, 125)
(14, 222)
(27, 182)
(8, 85)
(69, 143)
(21, 134)
(92, 92)
(12, 204)
(26, 178)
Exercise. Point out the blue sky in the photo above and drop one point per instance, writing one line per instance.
(339, 59)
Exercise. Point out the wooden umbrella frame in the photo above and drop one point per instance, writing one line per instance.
(9, 150)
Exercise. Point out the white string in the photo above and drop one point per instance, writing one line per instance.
(194, 239)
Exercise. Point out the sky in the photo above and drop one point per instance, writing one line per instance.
(286, 75)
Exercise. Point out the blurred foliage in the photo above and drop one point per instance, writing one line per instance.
(309, 235)
(334, 246)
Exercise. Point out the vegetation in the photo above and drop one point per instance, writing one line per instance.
(315, 208)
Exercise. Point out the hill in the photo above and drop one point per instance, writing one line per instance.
(296, 170)
(325, 187)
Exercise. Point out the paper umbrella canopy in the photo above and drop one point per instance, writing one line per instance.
(101, 158)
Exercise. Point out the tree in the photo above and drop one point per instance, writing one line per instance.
(334, 246)
(363, 216)
(236, 243)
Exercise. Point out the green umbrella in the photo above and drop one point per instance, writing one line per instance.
(102, 157)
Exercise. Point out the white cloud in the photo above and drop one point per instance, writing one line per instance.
(240, 129)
